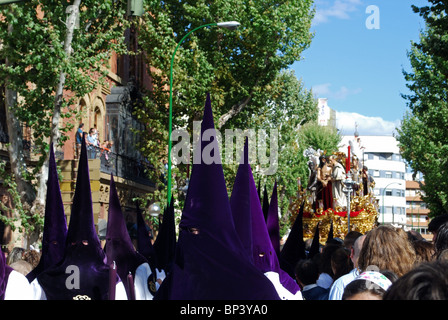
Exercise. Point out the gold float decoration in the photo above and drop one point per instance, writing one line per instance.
(363, 214)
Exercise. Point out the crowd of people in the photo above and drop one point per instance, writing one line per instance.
(386, 263)
(226, 248)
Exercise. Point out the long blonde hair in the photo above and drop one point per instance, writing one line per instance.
(387, 248)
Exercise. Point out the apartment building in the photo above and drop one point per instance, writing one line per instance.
(381, 156)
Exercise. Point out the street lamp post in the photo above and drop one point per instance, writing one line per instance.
(348, 188)
(382, 201)
(228, 25)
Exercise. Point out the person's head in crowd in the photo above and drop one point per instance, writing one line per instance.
(414, 235)
(435, 223)
(387, 248)
(341, 262)
(427, 281)
(306, 272)
(441, 239)
(350, 238)
(356, 250)
(424, 250)
(442, 256)
(369, 285)
(22, 266)
(32, 256)
(15, 255)
(325, 260)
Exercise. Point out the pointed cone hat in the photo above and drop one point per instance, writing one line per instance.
(294, 248)
(265, 206)
(210, 263)
(144, 244)
(272, 221)
(165, 243)
(119, 247)
(240, 203)
(55, 224)
(82, 249)
(315, 244)
(265, 257)
(330, 233)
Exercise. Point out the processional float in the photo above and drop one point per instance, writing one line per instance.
(359, 200)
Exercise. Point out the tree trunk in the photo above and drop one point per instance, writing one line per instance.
(73, 11)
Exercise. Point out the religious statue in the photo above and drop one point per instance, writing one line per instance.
(338, 176)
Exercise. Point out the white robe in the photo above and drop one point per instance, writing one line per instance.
(141, 281)
(283, 293)
(18, 287)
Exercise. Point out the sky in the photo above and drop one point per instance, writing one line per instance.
(356, 61)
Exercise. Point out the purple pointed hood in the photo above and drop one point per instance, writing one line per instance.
(83, 254)
(119, 247)
(210, 261)
(240, 203)
(165, 243)
(273, 222)
(144, 244)
(55, 223)
(265, 204)
(294, 248)
(264, 255)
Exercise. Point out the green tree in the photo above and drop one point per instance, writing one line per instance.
(51, 48)
(423, 135)
(239, 68)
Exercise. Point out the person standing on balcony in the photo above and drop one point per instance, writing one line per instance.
(92, 143)
(78, 136)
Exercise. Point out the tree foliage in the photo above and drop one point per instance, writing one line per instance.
(239, 68)
(423, 136)
(33, 36)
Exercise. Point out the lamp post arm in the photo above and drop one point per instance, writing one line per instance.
(170, 123)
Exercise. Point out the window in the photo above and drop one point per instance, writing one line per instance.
(388, 174)
(388, 192)
(376, 173)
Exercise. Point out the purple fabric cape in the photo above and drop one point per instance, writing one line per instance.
(55, 223)
(119, 247)
(5, 270)
(210, 263)
(84, 259)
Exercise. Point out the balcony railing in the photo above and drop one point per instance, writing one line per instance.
(122, 166)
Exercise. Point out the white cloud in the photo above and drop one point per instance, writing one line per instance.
(324, 90)
(367, 126)
(339, 9)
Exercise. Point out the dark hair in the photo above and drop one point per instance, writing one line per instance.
(427, 281)
(307, 271)
(441, 240)
(341, 262)
(436, 222)
(424, 250)
(325, 262)
(361, 285)
(350, 238)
